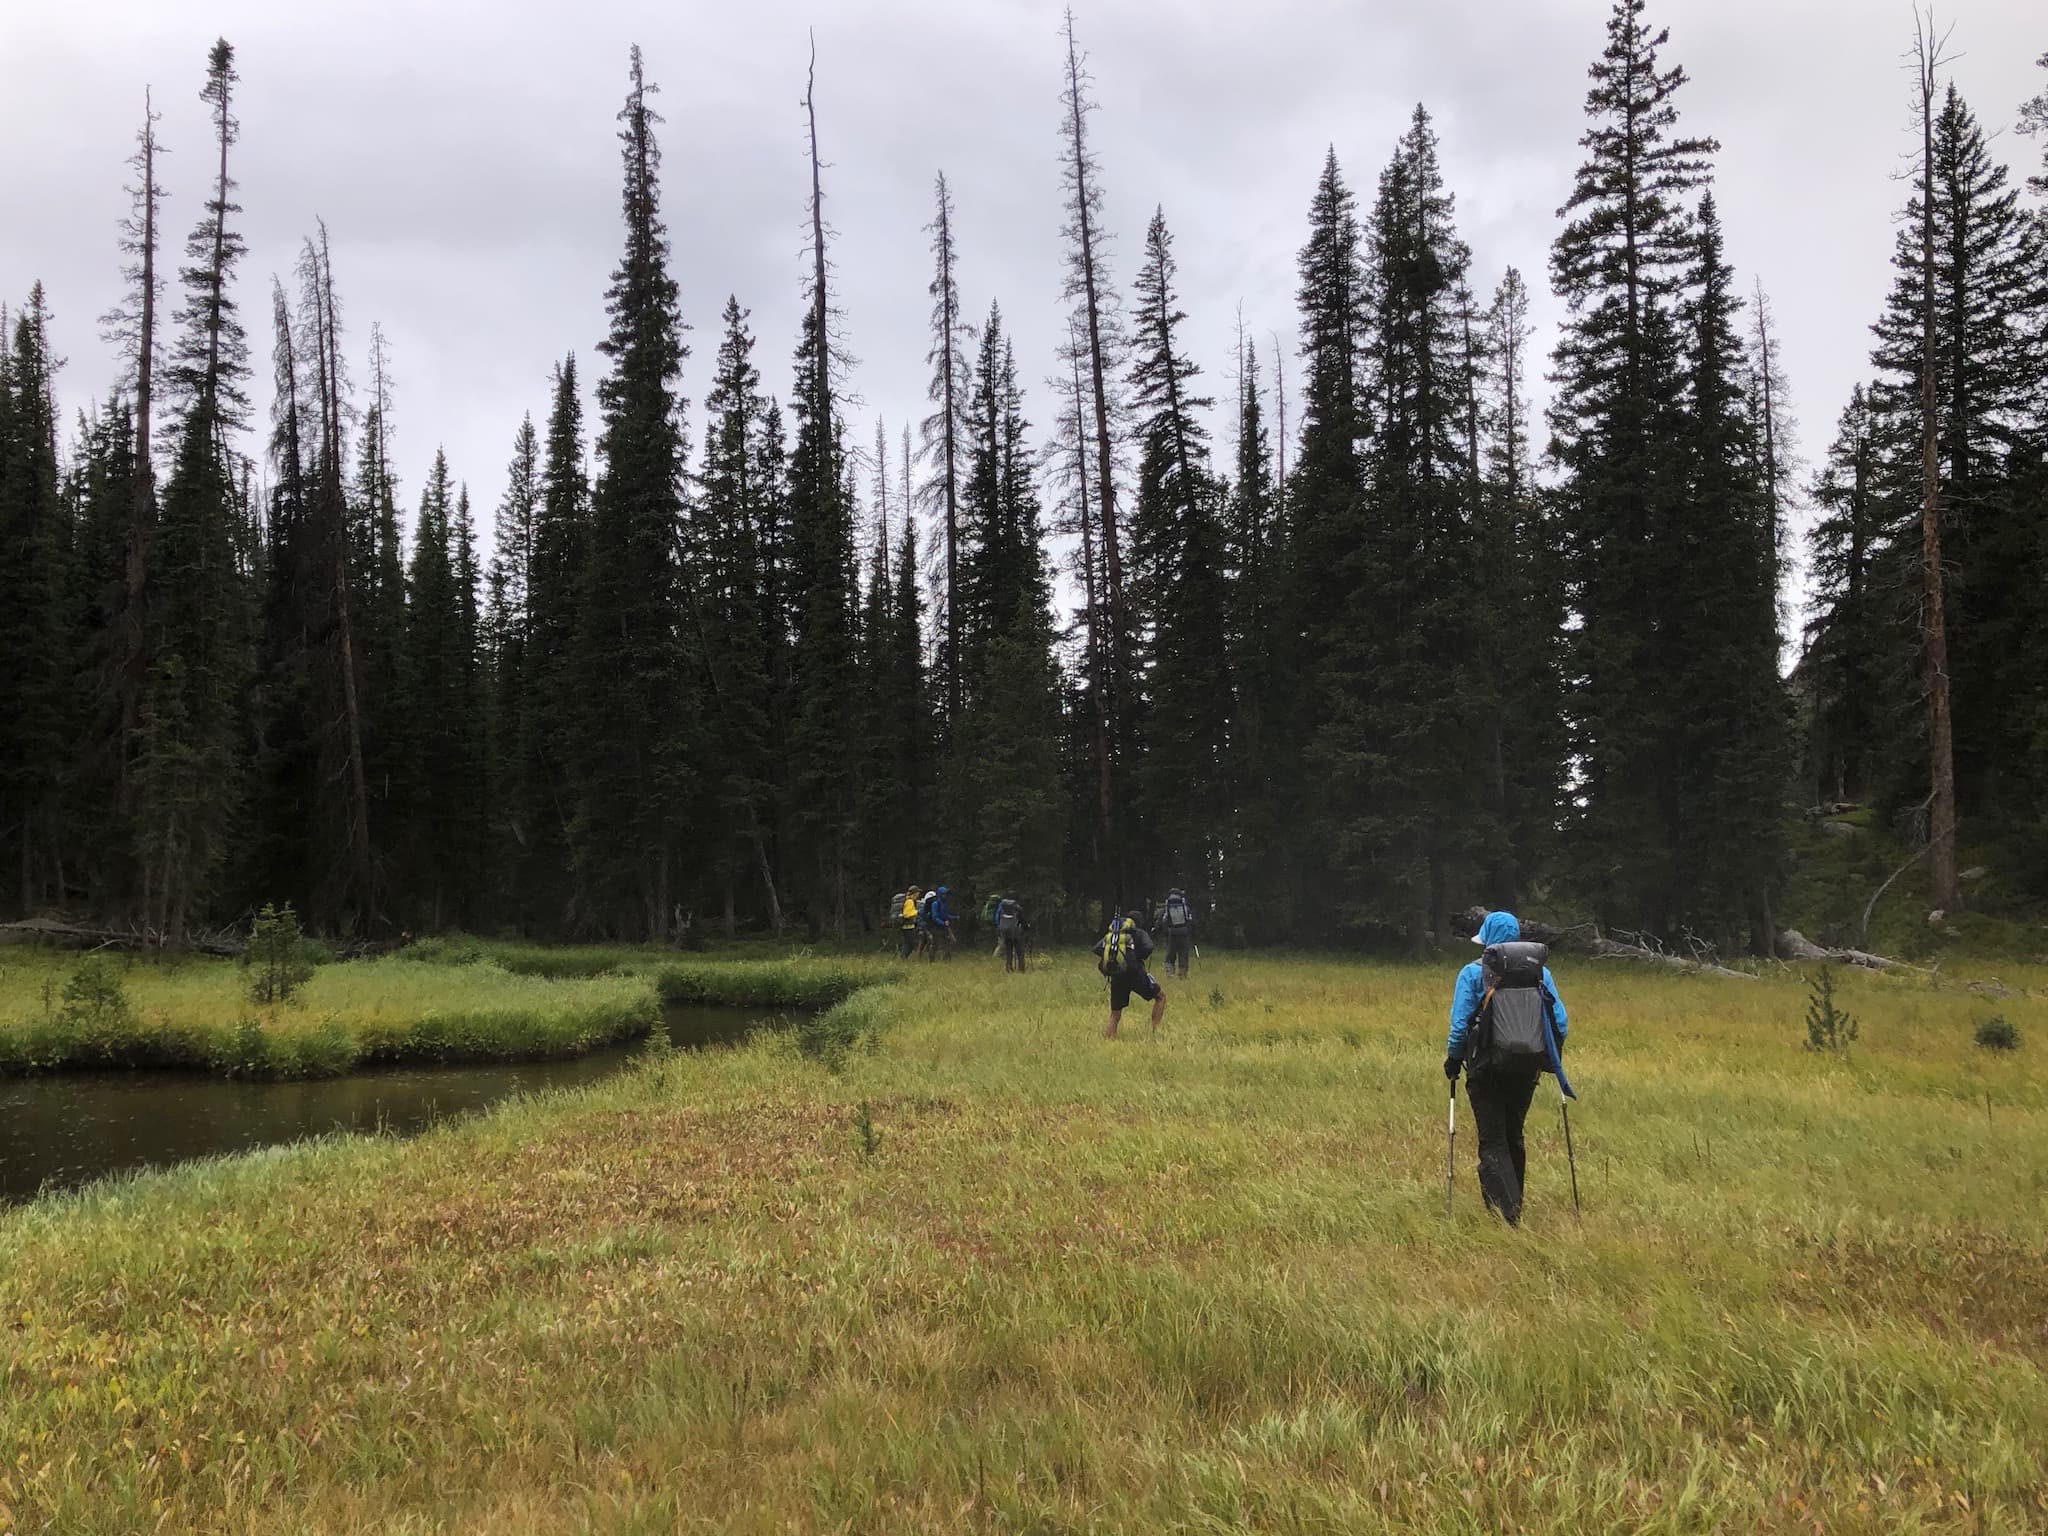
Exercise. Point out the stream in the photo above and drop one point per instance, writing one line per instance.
(66, 1129)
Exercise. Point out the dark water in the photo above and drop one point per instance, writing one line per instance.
(67, 1129)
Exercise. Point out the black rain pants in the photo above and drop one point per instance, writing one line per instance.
(1500, 1104)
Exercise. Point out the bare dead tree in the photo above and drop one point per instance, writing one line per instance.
(1085, 284)
(941, 428)
(133, 325)
(882, 503)
(821, 364)
(359, 875)
(1096, 639)
(1279, 415)
(1927, 58)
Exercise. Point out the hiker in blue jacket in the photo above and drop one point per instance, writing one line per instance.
(939, 913)
(1500, 1099)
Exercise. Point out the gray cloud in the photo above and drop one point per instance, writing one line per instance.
(463, 157)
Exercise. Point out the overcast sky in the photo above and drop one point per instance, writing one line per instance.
(463, 155)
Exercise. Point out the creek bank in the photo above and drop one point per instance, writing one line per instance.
(406, 1010)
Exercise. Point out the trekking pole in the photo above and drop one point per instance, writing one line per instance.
(1570, 1157)
(1451, 1152)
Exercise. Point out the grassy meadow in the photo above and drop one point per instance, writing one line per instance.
(952, 1261)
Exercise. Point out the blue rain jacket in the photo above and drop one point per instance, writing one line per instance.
(1470, 991)
(942, 912)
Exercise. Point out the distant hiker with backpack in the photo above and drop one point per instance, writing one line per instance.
(1121, 957)
(1009, 919)
(1178, 919)
(938, 923)
(1507, 1030)
(906, 923)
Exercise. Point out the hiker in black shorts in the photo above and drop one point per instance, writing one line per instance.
(1121, 957)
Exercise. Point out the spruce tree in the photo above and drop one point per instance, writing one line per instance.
(1183, 593)
(743, 634)
(38, 627)
(1329, 524)
(547, 728)
(1009, 798)
(473, 815)
(1395, 754)
(2034, 123)
(1261, 652)
(910, 725)
(881, 857)
(437, 663)
(1851, 652)
(99, 506)
(634, 677)
(190, 764)
(378, 566)
(1732, 763)
(1617, 422)
(1521, 569)
(507, 786)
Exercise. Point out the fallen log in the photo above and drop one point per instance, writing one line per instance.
(1609, 949)
(1794, 945)
(1578, 937)
(73, 936)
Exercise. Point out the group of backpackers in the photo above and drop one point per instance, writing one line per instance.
(924, 922)
(925, 925)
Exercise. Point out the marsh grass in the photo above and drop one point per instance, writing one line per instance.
(198, 1014)
(1203, 1283)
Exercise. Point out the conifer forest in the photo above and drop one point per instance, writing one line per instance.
(1342, 658)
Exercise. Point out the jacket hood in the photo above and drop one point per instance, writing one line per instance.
(1499, 928)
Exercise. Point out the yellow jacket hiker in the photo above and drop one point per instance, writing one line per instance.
(906, 922)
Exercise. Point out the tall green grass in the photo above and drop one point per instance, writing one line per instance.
(197, 1014)
(986, 1270)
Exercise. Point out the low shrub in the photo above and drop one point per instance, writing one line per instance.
(1998, 1033)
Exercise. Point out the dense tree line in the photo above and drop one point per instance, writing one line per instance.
(1339, 675)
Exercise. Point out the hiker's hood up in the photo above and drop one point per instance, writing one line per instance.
(1499, 928)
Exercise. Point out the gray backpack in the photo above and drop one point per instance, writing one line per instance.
(1511, 1032)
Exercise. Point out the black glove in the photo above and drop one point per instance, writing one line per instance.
(1453, 1065)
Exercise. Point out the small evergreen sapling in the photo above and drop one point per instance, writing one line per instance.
(277, 955)
(1828, 1028)
(864, 1127)
(95, 1007)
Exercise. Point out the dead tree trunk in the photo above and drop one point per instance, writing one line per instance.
(142, 506)
(361, 870)
(1941, 831)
